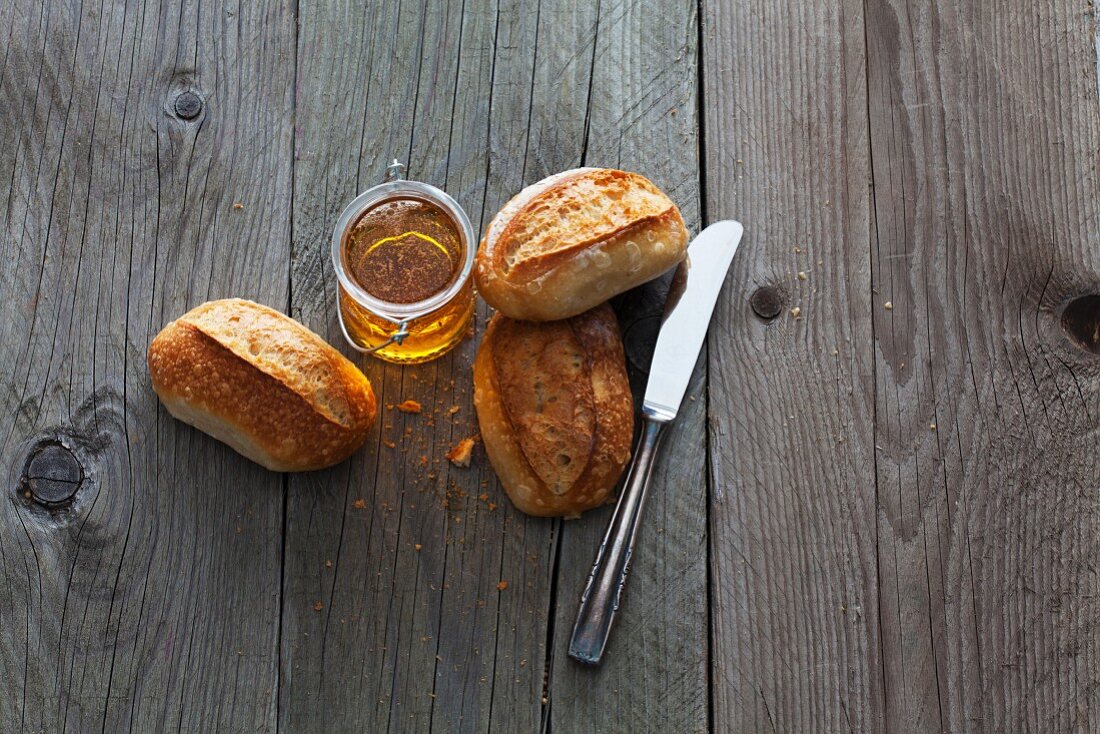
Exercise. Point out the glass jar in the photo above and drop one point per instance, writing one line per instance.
(401, 322)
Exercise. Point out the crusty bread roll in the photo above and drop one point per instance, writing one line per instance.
(555, 410)
(574, 240)
(262, 383)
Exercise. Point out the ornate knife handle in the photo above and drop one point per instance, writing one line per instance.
(600, 599)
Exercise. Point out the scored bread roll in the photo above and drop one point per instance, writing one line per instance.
(553, 402)
(574, 240)
(263, 384)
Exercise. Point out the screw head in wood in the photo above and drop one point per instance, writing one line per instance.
(767, 302)
(188, 105)
(52, 476)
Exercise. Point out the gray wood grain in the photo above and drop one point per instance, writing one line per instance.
(902, 528)
(642, 117)
(151, 602)
(793, 515)
(902, 518)
(413, 633)
(452, 652)
(986, 214)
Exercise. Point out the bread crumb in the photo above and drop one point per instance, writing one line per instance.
(318, 606)
(931, 426)
(409, 406)
(889, 305)
(359, 504)
(418, 546)
(460, 453)
(483, 496)
(802, 275)
(502, 586)
(796, 312)
(238, 205)
(390, 444)
(492, 506)
(328, 563)
(453, 409)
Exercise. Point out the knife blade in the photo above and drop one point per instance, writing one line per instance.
(687, 316)
(688, 309)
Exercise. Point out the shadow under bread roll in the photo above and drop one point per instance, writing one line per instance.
(573, 240)
(554, 405)
(262, 383)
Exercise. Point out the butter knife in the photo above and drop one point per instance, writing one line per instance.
(691, 300)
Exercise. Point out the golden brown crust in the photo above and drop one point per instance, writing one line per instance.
(574, 240)
(554, 405)
(262, 383)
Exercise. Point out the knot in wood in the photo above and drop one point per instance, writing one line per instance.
(767, 302)
(1081, 322)
(52, 476)
(188, 105)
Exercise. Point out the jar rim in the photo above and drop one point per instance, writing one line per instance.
(402, 189)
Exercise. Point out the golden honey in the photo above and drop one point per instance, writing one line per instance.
(404, 251)
(430, 336)
(402, 256)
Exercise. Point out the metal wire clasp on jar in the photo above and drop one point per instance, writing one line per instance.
(404, 253)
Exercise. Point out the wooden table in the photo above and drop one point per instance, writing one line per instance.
(878, 511)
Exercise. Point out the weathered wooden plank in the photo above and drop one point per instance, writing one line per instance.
(151, 601)
(452, 650)
(793, 515)
(984, 133)
(942, 580)
(413, 632)
(642, 117)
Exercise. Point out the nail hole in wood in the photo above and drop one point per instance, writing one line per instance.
(1081, 322)
(52, 476)
(767, 302)
(188, 105)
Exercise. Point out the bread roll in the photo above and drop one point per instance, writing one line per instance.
(573, 240)
(262, 383)
(555, 410)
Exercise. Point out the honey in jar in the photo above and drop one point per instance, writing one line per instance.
(403, 253)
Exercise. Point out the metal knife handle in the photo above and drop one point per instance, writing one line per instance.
(600, 599)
